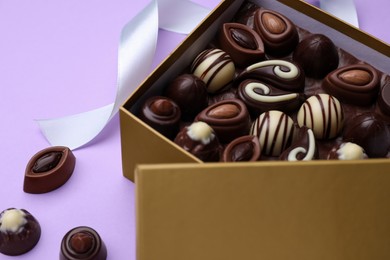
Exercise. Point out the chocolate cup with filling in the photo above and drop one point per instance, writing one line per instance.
(242, 149)
(242, 43)
(82, 243)
(49, 169)
(19, 232)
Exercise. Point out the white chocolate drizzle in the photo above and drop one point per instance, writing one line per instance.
(292, 72)
(200, 131)
(292, 156)
(250, 91)
(12, 220)
(350, 151)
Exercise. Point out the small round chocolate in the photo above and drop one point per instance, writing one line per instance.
(323, 114)
(317, 55)
(189, 93)
(242, 149)
(347, 151)
(215, 67)
(82, 243)
(275, 131)
(19, 231)
(162, 114)
(303, 147)
(200, 140)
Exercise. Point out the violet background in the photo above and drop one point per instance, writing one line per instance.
(59, 58)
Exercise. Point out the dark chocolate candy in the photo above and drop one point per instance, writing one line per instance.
(384, 98)
(189, 93)
(83, 243)
(49, 169)
(353, 84)
(19, 231)
(302, 148)
(317, 55)
(347, 151)
(242, 43)
(242, 149)
(162, 114)
(278, 73)
(229, 119)
(279, 34)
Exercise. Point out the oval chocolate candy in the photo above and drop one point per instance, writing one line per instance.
(356, 84)
(242, 149)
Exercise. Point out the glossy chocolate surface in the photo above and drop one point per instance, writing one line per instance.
(19, 232)
(347, 151)
(303, 147)
(49, 169)
(242, 149)
(384, 98)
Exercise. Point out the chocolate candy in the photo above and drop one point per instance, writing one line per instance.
(163, 114)
(347, 151)
(19, 231)
(323, 114)
(229, 119)
(303, 147)
(279, 34)
(370, 132)
(274, 130)
(384, 98)
(49, 169)
(354, 84)
(188, 89)
(278, 73)
(82, 243)
(261, 97)
(242, 149)
(242, 43)
(200, 140)
(317, 55)
(215, 67)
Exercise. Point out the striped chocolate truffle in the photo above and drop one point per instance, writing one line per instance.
(215, 67)
(274, 130)
(323, 114)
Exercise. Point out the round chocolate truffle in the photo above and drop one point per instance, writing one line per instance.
(215, 67)
(347, 151)
(303, 147)
(83, 243)
(200, 140)
(19, 231)
(317, 55)
(242, 149)
(162, 114)
(190, 93)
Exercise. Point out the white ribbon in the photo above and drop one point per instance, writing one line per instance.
(136, 51)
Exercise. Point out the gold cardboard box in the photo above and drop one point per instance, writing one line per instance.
(143, 145)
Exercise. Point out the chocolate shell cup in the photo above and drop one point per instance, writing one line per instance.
(279, 34)
(353, 84)
(303, 147)
(49, 169)
(242, 43)
(19, 232)
(229, 119)
(242, 149)
(83, 243)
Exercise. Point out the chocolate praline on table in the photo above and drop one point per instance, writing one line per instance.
(162, 114)
(317, 55)
(190, 93)
(302, 148)
(242, 149)
(83, 243)
(49, 169)
(19, 231)
(242, 43)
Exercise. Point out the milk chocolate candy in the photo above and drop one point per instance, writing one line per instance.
(19, 232)
(242, 43)
(83, 243)
(279, 34)
(242, 149)
(229, 119)
(353, 84)
(303, 147)
(347, 151)
(49, 169)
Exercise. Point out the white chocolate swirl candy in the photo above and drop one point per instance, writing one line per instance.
(265, 97)
(291, 73)
(303, 148)
(274, 130)
(322, 113)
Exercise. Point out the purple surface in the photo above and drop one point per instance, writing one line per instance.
(59, 58)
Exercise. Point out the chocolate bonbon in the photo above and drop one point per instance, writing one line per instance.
(83, 243)
(303, 147)
(19, 231)
(384, 98)
(49, 169)
(347, 151)
(242, 149)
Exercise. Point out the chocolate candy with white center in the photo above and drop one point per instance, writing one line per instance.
(242, 149)
(215, 67)
(200, 140)
(356, 84)
(275, 131)
(229, 119)
(242, 43)
(347, 151)
(279, 34)
(19, 231)
(49, 169)
(322, 113)
(83, 243)
(317, 55)
(303, 147)
(162, 114)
